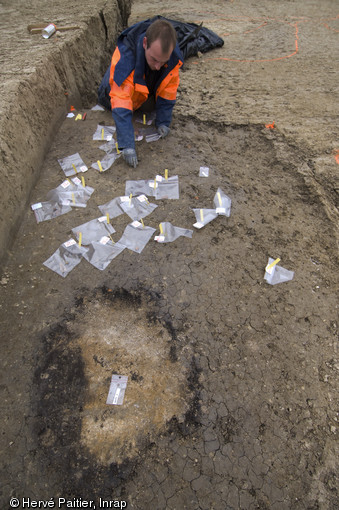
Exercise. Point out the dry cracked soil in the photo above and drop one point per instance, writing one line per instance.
(232, 394)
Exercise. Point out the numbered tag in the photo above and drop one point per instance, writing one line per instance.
(76, 181)
(198, 224)
(159, 239)
(36, 206)
(136, 224)
(117, 390)
(69, 243)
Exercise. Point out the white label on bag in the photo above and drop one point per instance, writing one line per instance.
(160, 239)
(124, 199)
(76, 181)
(220, 210)
(142, 198)
(136, 224)
(159, 178)
(36, 206)
(65, 184)
(109, 138)
(104, 240)
(69, 243)
(198, 224)
(102, 219)
(83, 168)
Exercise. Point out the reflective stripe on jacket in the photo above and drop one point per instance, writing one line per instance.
(131, 94)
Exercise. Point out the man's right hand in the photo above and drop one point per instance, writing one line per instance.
(130, 156)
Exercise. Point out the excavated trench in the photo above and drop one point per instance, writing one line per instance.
(41, 80)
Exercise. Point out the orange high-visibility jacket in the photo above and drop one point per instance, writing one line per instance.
(128, 89)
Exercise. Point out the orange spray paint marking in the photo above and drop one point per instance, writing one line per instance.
(72, 109)
(270, 126)
(337, 157)
(265, 22)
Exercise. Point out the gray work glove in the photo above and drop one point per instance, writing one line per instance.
(163, 131)
(130, 156)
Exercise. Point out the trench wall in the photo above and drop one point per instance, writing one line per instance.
(41, 79)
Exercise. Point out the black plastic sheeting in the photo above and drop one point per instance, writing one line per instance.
(193, 38)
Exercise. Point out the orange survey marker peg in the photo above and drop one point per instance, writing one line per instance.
(337, 157)
(72, 109)
(270, 126)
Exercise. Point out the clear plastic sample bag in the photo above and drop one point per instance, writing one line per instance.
(204, 216)
(152, 137)
(109, 147)
(276, 274)
(136, 236)
(159, 187)
(93, 230)
(44, 211)
(145, 118)
(104, 133)
(72, 193)
(72, 165)
(139, 187)
(112, 208)
(204, 171)
(137, 207)
(169, 232)
(106, 162)
(65, 258)
(101, 253)
(166, 188)
(222, 203)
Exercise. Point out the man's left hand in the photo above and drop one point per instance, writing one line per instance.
(163, 131)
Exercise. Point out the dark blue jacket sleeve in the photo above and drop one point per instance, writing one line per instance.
(104, 90)
(125, 131)
(164, 108)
